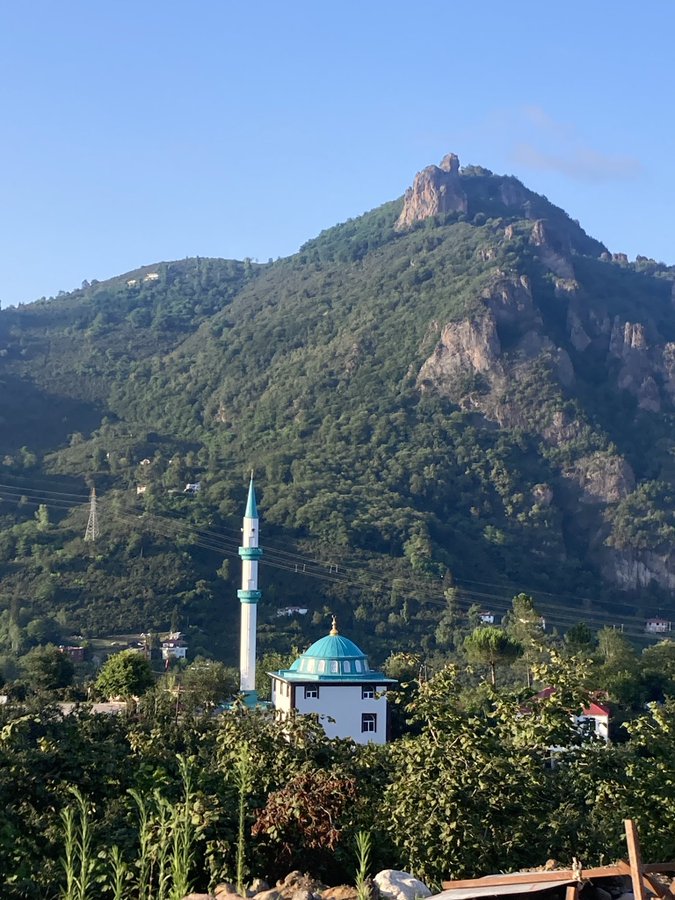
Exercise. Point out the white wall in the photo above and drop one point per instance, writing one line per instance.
(341, 702)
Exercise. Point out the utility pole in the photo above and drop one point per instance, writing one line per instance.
(92, 531)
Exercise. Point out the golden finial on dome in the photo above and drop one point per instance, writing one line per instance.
(334, 630)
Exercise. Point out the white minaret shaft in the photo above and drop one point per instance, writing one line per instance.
(249, 594)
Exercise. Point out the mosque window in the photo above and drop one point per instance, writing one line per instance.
(311, 665)
(322, 666)
(334, 667)
(346, 667)
(368, 722)
(312, 693)
(367, 693)
(357, 665)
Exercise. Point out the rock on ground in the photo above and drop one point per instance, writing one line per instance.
(395, 885)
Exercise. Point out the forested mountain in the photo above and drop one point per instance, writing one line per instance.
(460, 387)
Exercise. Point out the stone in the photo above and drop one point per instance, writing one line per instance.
(395, 885)
(197, 897)
(603, 477)
(258, 885)
(436, 190)
(551, 252)
(341, 892)
(299, 886)
(302, 895)
(270, 894)
(225, 890)
(469, 346)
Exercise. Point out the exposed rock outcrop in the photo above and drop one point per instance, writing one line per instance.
(551, 251)
(436, 190)
(602, 477)
(632, 569)
(465, 347)
(580, 340)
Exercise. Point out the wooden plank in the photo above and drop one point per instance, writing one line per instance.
(635, 859)
(572, 891)
(660, 890)
(658, 867)
(552, 877)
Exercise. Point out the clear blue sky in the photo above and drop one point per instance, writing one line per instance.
(135, 131)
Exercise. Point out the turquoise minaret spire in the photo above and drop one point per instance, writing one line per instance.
(249, 595)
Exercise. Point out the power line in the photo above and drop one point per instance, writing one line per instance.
(299, 564)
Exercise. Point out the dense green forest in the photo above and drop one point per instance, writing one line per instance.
(472, 407)
(166, 797)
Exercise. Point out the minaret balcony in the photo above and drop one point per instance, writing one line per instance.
(250, 552)
(249, 596)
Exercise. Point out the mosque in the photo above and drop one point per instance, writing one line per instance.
(331, 679)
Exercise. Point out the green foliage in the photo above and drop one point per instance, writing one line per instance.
(491, 646)
(308, 368)
(46, 668)
(126, 674)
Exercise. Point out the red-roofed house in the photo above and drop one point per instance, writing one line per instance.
(594, 718)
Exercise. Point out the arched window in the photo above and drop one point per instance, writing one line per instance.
(334, 667)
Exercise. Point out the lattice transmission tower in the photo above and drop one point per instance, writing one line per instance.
(92, 531)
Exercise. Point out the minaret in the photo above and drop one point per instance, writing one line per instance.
(249, 595)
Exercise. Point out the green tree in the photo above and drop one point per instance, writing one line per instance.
(491, 646)
(523, 625)
(126, 674)
(206, 683)
(46, 668)
(580, 639)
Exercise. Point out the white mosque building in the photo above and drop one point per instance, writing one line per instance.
(331, 679)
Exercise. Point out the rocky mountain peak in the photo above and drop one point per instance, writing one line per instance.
(436, 190)
(450, 163)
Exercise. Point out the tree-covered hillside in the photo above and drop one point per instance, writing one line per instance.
(447, 412)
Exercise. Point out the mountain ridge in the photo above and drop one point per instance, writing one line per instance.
(485, 386)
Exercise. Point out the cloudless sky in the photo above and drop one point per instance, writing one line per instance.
(134, 131)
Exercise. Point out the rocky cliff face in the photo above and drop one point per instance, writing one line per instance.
(497, 362)
(436, 190)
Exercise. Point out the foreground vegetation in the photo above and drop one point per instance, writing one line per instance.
(168, 795)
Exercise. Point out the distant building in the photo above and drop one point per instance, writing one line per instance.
(593, 720)
(487, 618)
(151, 276)
(292, 611)
(658, 626)
(141, 488)
(76, 654)
(193, 488)
(596, 716)
(174, 647)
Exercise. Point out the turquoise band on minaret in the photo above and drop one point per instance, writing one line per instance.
(250, 552)
(249, 596)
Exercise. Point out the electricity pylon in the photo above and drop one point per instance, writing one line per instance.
(92, 531)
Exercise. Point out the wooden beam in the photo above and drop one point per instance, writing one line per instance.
(658, 889)
(635, 859)
(553, 877)
(557, 875)
(572, 891)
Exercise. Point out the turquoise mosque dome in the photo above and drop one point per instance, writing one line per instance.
(333, 657)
